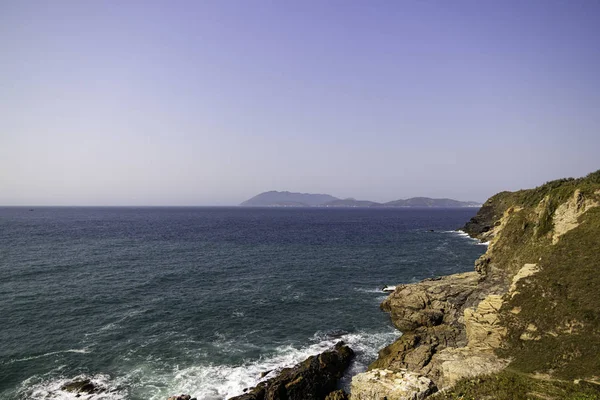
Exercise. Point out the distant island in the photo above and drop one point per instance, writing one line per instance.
(292, 199)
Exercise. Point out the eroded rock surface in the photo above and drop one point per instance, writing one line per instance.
(383, 384)
(530, 299)
(82, 386)
(312, 379)
(431, 302)
(181, 397)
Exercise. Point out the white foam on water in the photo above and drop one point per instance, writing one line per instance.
(80, 351)
(156, 381)
(217, 382)
(115, 324)
(51, 389)
(467, 236)
(369, 290)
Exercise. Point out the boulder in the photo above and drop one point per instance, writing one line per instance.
(337, 395)
(430, 302)
(383, 384)
(82, 386)
(452, 364)
(312, 379)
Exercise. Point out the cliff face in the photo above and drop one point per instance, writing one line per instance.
(532, 304)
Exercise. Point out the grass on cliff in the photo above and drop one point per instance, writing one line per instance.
(553, 322)
(559, 190)
(509, 385)
(561, 303)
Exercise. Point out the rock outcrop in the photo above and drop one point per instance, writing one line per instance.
(448, 324)
(181, 397)
(383, 384)
(530, 301)
(338, 395)
(82, 386)
(313, 379)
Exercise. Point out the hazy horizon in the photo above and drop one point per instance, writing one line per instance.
(211, 103)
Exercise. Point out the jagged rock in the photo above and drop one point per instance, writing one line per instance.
(482, 224)
(265, 373)
(430, 302)
(181, 397)
(452, 364)
(482, 264)
(566, 216)
(483, 324)
(82, 386)
(312, 379)
(337, 395)
(382, 384)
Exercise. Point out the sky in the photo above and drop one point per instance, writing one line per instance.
(212, 102)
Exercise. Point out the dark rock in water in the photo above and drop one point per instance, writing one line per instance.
(337, 395)
(82, 386)
(312, 379)
(337, 333)
(182, 397)
(263, 374)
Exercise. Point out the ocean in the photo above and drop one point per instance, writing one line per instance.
(151, 302)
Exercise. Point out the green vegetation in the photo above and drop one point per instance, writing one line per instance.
(508, 385)
(560, 308)
(563, 303)
(553, 320)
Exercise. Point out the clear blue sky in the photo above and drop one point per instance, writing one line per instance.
(211, 102)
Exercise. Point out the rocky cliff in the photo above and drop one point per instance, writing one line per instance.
(313, 379)
(530, 310)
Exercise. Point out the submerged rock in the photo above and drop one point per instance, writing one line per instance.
(182, 397)
(312, 379)
(82, 386)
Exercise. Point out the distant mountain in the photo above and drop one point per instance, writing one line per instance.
(352, 203)
(291, 199)
(429, 202)
(288, 199)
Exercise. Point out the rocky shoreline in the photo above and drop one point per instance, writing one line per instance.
(512, 309)
(474, 324)
(313, 379)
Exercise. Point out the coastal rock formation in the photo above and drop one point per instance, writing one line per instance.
(182, 397)
(431, 302)
(312, 379)
(82, 386)
(337, 395)
(383, 384)
(531, 301)
(448, 324)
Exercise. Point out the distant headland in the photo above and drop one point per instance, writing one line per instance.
(292, 199)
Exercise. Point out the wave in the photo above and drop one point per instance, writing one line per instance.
(216, 382)
(467, 236)
(36, 389)
(80, 351)
(157, 380)
(369, 290)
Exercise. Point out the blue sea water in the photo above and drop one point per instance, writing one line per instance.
(150, 302)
